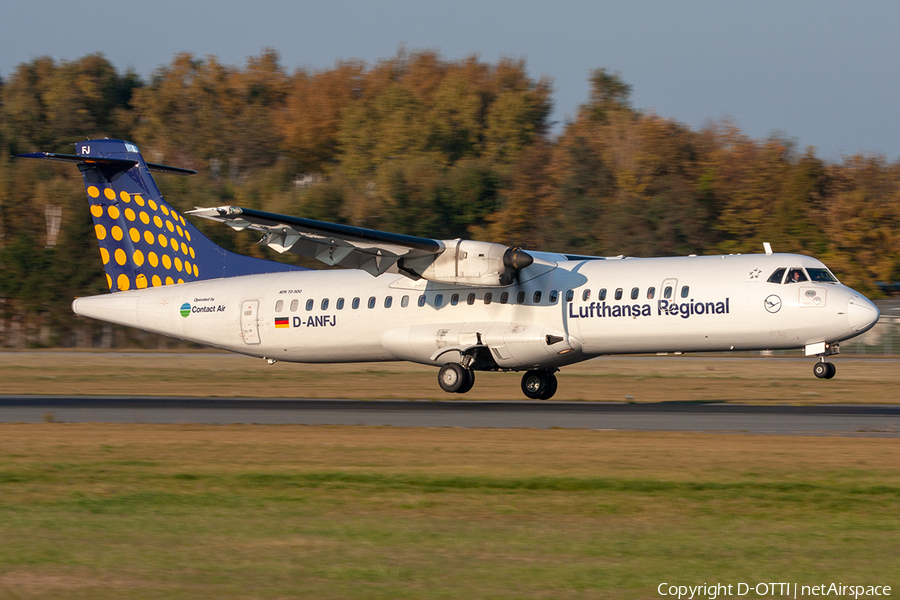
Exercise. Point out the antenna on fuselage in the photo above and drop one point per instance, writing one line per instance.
(768, 247)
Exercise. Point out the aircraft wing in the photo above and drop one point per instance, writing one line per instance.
(353, 247)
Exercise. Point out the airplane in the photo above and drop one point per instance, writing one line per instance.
(459, 305)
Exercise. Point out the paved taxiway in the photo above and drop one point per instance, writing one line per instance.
(868, 420)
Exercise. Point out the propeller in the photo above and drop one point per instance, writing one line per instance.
(514, 259)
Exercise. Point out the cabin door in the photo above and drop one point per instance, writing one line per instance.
(250, 322)
(668, 290)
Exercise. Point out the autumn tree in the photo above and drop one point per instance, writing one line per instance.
(50, 105)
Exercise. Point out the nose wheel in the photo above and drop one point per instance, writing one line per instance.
(539, 385)
(824, 370)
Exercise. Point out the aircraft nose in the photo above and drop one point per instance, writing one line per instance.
(861, 313)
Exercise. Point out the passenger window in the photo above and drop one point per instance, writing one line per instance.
(651, 292)
(372, 302)
(340, 304)
(439, 299)
(685, 290)
(355, 304)
(586, 294)
(570, 295)
(618, 293)
(454, 299)
(667, 293)
(537, 297)
(777, 276)
(295, 304)
(554, 296)
(421, 301)
(504, 297)
(488, 297)
(324, 303)
(279, 305)
(388, 300)
(520, 298)
(309, 304)
(404, 301)
(470, 300)
(635, 292)
(796, 276)
(602, 295)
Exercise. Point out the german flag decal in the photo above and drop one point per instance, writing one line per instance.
(282, 322)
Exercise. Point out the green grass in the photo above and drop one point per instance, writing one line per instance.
(91, 511)
(122, 511)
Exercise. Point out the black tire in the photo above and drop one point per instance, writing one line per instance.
(452, 377)
(552, 385)
(821, 370)
(832, 370)
(469, 382)
(537, 384)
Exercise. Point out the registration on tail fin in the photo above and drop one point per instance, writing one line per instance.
(143, 241)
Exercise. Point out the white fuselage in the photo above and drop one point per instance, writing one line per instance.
(702, 303)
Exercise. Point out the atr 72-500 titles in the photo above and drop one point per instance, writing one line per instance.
(460, 305)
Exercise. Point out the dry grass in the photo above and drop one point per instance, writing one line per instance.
(451, 451)
(648, 379)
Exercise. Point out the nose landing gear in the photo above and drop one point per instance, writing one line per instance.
(824, 370)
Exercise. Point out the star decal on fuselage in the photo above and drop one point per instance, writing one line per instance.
(754, 274)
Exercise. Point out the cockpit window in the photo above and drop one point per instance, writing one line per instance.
(796, 275)
(821, 275)
(777, 276)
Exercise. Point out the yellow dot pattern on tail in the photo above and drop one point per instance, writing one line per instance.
(127, 237)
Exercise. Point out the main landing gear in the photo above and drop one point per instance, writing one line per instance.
(539, 385)
(457, 379)
(824, 370)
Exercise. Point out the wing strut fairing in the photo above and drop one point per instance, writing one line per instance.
(377, 252)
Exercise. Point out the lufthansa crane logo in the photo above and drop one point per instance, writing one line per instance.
(773, 304)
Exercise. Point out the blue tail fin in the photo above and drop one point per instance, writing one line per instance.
(144, 242)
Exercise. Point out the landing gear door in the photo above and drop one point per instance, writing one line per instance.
(249, 321)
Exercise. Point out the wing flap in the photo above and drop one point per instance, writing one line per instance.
(331, 243)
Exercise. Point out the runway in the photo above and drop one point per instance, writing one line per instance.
(862, 420)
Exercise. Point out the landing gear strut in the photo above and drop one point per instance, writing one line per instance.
(539, 385)
(455, 378)
(824, 370)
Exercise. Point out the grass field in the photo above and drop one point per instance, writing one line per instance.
(648, 379)
(147, 511)
(141, 511)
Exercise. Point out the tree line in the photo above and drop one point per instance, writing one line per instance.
(415, 144)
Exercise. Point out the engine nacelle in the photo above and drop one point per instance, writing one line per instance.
(468, 262)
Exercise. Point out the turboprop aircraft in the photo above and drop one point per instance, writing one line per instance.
(459, 305)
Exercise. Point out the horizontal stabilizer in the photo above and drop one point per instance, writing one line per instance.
(122, 164)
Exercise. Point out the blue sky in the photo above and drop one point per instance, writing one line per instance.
(824, 73)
